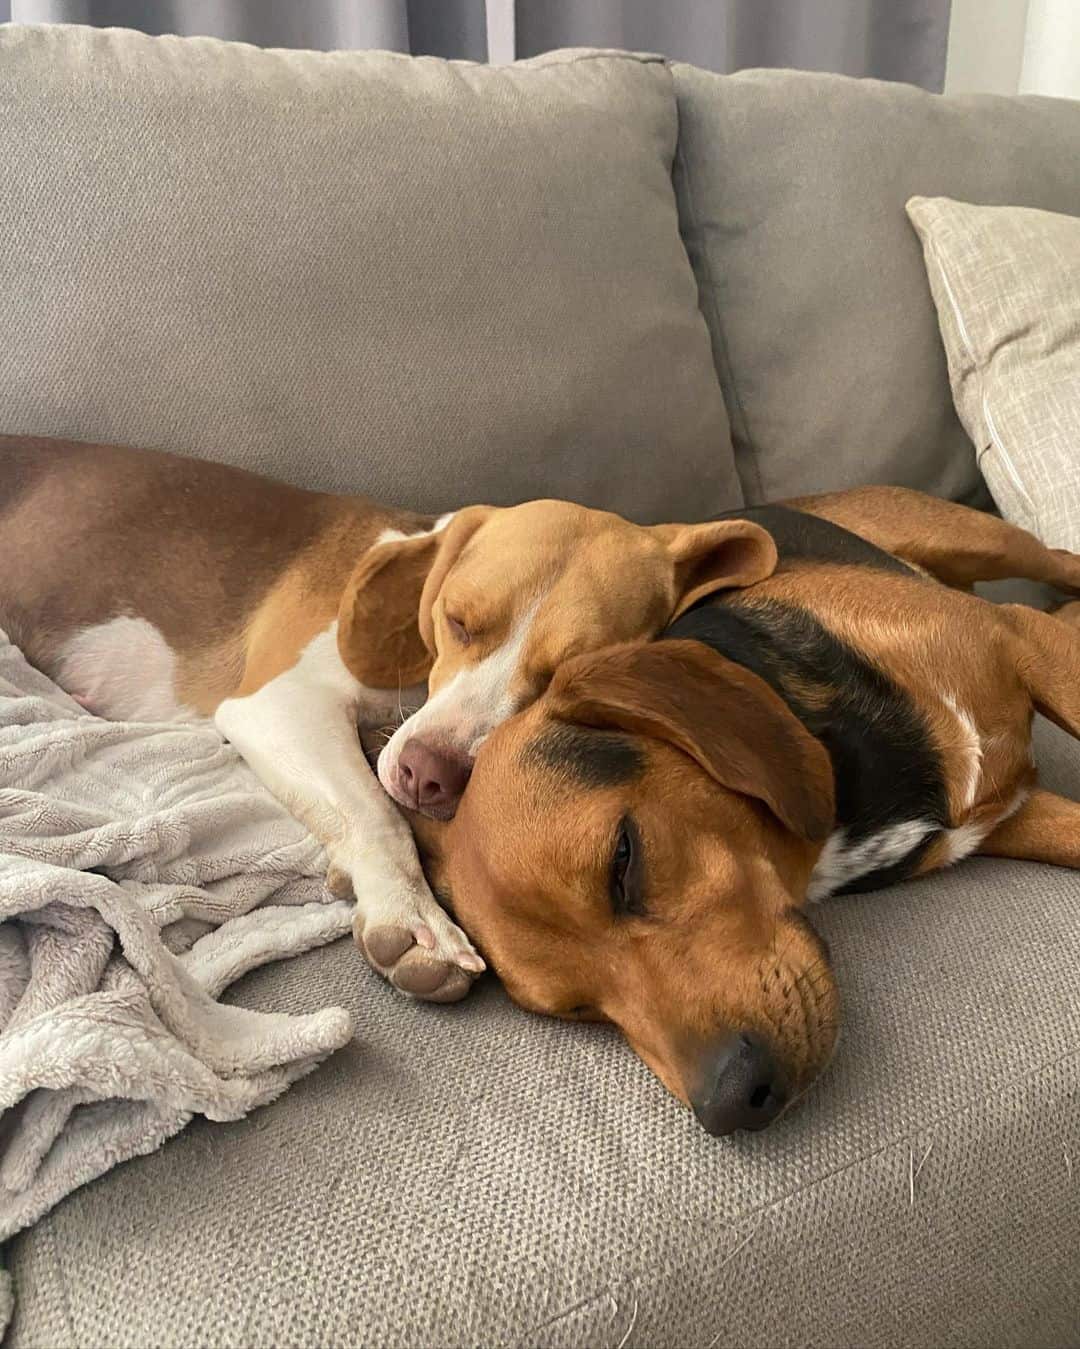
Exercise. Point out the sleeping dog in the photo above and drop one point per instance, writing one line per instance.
(154, 587)
(640, 845)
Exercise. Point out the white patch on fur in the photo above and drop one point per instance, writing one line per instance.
(971, 742)
(123, 670)
(962, 841)
(841, 863)
(465, 711)
(397, 535)
(298, 730)
(481, 695)
(299, 733)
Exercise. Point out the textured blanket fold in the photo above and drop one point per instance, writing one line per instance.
(143, 868)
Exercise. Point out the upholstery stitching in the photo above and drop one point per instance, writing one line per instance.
(106, 37)
(638, 58)
(1006, 459)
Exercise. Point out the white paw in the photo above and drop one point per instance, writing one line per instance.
(412, 943)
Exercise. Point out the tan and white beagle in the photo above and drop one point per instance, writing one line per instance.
(156, 587)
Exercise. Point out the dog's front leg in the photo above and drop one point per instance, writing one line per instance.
(1046, 828)
(298, 732)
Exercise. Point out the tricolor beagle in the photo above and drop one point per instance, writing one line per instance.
(639, 846)
(157, 587)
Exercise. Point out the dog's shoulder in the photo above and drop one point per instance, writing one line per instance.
(890, 789)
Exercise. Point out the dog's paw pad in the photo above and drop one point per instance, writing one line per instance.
(339, 883)
(385, 946)
(425, 976)
(419, 967)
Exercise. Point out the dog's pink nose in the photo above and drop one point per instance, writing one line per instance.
(433, 780)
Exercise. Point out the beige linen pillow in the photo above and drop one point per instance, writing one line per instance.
(1006, 282)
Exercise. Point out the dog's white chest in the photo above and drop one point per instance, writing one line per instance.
(844, 861)
(123, 670)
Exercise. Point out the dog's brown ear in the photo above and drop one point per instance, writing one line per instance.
(454, 538)
(726, 719)
(378, 635)
(384, 618)
(717, 555)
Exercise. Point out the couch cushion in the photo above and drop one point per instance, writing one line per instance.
(1006, 283)
(436, 282)
(476, 1175)
(792, 189)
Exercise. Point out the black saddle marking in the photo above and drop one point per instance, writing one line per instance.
(802, 537)
(886, 767)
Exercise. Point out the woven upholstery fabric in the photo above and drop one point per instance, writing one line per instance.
(791, 189)
(1006, 283)
(478, 1175)
(432, 281)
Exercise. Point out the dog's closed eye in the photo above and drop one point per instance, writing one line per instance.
(626, 877)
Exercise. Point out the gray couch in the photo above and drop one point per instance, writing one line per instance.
(453, 283)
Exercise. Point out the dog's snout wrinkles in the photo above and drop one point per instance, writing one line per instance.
(742, 1088)
(433, 780)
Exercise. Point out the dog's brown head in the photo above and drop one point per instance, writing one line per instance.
(490, 606)
(635, 847)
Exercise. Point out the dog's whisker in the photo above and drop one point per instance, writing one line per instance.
(779, 960)
(814, 976)
(402, 715)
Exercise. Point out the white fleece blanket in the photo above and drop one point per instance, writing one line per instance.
(143, 868)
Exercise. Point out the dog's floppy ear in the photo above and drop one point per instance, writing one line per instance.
(456, 535)
(717, 555)
(726, 719)
(384, 618)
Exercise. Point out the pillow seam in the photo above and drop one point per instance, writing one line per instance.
(976, 368)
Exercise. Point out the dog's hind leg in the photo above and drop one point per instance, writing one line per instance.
(1046, 828)
(1047, 656)
(956, 544)
(1046, 650)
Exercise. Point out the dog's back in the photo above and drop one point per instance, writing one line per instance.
(873, 657)
(91, 534)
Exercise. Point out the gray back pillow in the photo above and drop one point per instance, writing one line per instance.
(435, 282)
(792, 189)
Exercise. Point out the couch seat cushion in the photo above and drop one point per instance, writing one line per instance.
(477, 1175)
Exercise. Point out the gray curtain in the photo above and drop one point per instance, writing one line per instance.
(890, 39)
(454, 28)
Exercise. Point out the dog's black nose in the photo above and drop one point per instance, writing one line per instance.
(742, 1088)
